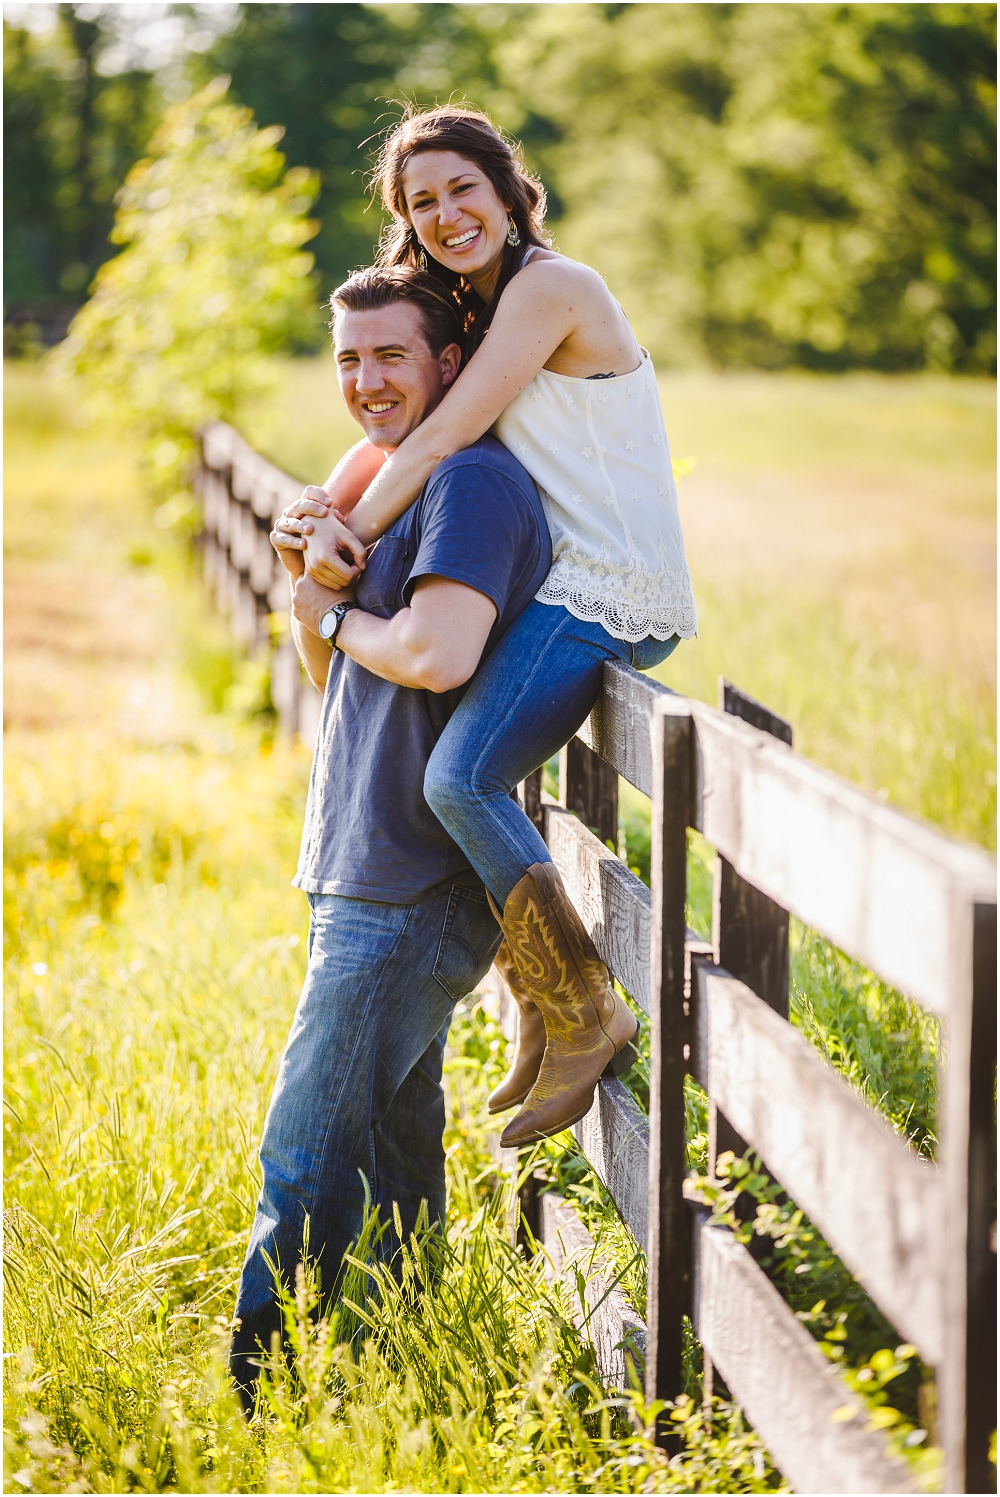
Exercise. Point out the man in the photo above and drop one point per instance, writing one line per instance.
(400, 927)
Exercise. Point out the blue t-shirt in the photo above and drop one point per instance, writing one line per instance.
(369, 833)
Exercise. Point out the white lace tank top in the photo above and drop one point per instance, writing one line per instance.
(598, 452)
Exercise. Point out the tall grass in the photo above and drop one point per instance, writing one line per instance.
(146, 1016)
(153, 953)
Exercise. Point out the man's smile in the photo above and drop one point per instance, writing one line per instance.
(377, 407)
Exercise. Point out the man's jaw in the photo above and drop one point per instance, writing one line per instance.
(381, 420)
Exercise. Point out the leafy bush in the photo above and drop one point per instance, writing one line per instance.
(212, 281)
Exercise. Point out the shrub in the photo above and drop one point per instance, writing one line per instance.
(213, 279)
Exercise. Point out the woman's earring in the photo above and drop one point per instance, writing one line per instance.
(513, 237)
(422, 259)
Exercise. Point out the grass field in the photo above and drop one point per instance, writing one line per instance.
(154, 949)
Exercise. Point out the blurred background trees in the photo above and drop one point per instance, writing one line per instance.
(70, 136)
(762, 185)
(213, 280)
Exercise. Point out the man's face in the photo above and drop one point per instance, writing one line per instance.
(388, 376)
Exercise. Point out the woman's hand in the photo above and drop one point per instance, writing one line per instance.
(293, 525)
(334, 555)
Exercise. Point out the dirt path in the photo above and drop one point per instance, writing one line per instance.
(93, 591)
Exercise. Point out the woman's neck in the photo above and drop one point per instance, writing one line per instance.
(484, 282)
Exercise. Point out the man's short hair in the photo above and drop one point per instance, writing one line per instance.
(384, 285)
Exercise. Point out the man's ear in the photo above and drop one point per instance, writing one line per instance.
(450, 359)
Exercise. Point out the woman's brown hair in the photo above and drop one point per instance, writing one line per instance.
(472, 134)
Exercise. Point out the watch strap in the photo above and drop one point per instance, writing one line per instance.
(340, 612)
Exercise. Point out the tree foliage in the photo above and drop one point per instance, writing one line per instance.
(762, 184)
(70, 136)
(779, 184)
(331, 74)
(213, 278)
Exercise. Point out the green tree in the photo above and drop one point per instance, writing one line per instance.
(70, 136)
(330, 74)
(778, 184)
(213, 279)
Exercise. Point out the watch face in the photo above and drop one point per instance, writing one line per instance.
(328, 624)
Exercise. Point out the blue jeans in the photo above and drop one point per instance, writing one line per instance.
(526, 700)
(358, 1096)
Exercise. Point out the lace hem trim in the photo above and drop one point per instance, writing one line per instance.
(622, 622)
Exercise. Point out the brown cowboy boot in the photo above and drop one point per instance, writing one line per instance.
(530, 1044)
(588, 1028)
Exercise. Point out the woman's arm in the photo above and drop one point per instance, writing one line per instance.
(539, 310)
(351, 477)
(535, 315)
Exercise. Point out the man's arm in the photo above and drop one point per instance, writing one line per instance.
(434, 645)
(315, 653)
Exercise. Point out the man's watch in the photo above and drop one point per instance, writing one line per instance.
(331, 620)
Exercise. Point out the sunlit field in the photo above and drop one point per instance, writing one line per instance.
(840, 535)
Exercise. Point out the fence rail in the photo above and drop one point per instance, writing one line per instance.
(914, 907)
(920, 912)
(242, 494)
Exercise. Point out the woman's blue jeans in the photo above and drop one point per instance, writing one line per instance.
(526, 700)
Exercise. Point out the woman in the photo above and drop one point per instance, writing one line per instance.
(554, 368)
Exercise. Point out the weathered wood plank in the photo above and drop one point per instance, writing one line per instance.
(789, 1391)
(613, 904)
(618, 728)
(749, 931)
(614, 1135)
(668, 1240)
(615, 1331)
(890, 892)
(530, 792)
(878, 1204)
(589, 787)
(967, 1374)
(738, 704)
(255, 481)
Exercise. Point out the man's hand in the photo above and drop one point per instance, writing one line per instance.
(293, 525)
(310, 600)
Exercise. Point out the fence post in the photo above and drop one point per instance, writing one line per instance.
(750, 939)
(669, 1241)
(589, 787)
(531, 800)
(749, 931)
(967, 1378)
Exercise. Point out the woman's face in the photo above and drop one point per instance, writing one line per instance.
(457, 215)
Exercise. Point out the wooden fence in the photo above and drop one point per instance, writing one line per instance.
(242, 494)
(913, 907)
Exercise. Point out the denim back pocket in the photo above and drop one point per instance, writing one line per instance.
(381, 584)
(469, 941)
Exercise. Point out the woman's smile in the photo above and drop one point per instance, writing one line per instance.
(459, 241)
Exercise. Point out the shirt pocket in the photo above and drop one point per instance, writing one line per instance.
(382, 581)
